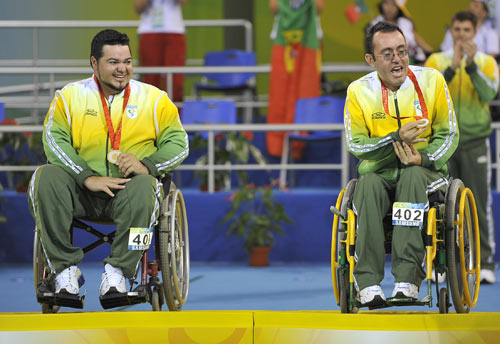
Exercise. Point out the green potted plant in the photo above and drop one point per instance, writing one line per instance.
(255, 216)
(229, 147)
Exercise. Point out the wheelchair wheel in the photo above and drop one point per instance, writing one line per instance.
(340, 275)
(40, 272)
(443, 301)
(174, 250)
(462, 246)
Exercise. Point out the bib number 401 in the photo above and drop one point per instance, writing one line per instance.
(139, 238)
(408, 214)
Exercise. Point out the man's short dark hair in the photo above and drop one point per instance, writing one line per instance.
(382, 27)
(107, 37)
(465, 16)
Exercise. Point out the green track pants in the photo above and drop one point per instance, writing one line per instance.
(373, 199)
(55, 199)
(471, 163)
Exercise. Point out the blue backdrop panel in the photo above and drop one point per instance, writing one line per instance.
(308, 240)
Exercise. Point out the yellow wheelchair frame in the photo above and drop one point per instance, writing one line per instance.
(452, 247)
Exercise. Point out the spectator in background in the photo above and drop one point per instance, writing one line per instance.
(162, 41)
(396, 13)
(472, 77)
(295, 64)
(486, 39)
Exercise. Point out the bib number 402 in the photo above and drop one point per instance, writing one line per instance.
(408, 214)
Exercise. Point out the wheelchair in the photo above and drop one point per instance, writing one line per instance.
(451, 239)
(168, 274)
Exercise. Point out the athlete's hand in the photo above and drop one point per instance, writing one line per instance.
(129, 164)
(106, 184)
(410, 131)
(407, 154)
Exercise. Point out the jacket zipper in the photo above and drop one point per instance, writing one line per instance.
(399, 127)
(107, 140)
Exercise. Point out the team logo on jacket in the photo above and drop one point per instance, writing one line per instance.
(90, 112)
(131, 111)
(378, 115)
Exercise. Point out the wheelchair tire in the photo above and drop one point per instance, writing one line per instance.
(40, 272)
(452, 248)
(174, 250)
(343, 280)
(443, 301)
(344, 292)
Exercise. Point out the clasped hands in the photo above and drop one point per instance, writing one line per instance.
(405, 150)
(127, 164)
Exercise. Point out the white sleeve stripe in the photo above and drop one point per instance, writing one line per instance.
(155, 114)
(52, 143)
(452, 132)
(493, 84)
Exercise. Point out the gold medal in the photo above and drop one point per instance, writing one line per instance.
(113, 156)
(424, 123)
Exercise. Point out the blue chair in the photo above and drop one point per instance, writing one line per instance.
(208, 111)
(243, 83)
(318, 110)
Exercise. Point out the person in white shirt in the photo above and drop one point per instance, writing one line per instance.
(486, 39)
(162, 40)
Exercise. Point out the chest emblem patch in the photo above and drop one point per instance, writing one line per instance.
(90, 112)
(131, 111)
(418, 108)
(378, 115)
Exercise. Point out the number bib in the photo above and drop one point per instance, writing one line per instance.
(408, 214)
(139, 239)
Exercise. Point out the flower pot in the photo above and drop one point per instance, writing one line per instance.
(259, 256)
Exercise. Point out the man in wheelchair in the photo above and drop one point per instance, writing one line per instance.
(401, 125)
(108, 139)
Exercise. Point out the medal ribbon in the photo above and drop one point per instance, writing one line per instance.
(385, 97)
(114, 137)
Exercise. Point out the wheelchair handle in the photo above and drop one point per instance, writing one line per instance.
(335, 211)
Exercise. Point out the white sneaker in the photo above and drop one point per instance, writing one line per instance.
(405, 289)
(112, 278)
(68, 280)
(441, 277)
(372, 295)
(487, 276)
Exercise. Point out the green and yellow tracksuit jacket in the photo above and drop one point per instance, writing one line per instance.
(76, 138)
(370, 131)
(471, 88)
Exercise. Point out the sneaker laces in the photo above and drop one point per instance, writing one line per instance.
(113, 276)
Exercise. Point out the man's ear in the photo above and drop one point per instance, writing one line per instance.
(93, 61)
(370, 60)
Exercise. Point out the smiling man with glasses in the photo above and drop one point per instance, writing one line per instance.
(400, 124)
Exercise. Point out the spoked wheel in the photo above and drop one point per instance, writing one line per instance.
(443, 301)
(40, 272)
(340, 274)
(462, 246)
(174, 250)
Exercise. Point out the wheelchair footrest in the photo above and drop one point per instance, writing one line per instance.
(61, 299)
(139, 295)
(401, 301)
